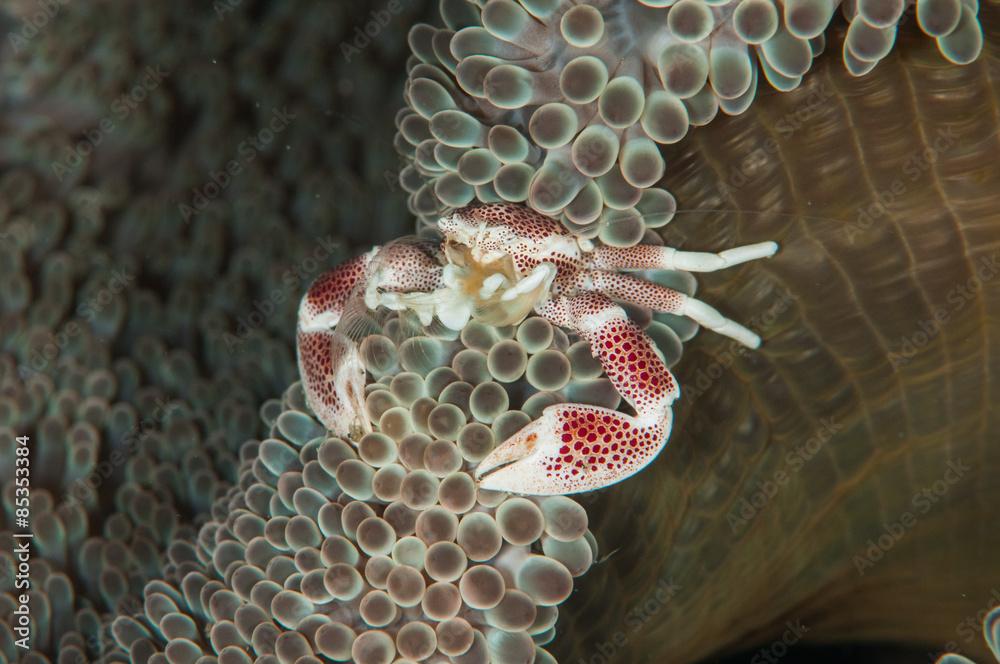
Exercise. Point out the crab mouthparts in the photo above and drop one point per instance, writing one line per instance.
(500, 295)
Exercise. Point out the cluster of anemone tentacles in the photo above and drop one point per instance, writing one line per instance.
(137, 342)
(128, 448)
(134, 436)
(367, 549)
(566, 106)
(384, 547)
(101, 362)
(991, 634)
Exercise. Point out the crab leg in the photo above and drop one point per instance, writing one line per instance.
(653, 257)
(333, 376)
(666, 300)
(572, 447)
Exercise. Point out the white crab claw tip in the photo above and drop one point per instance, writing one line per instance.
(451, 276)
(729, 257)
(518, 464)
(526, 476)
(514, 478)
(507, 454)
(520, 447)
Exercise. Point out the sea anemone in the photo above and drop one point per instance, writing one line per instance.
(566, 107)
(991, 634)
(140, 325)
(128, 449)
(173, 366)
(382, 547)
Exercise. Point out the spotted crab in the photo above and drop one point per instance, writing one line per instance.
(497, 264)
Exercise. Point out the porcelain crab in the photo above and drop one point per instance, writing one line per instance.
(498, 263)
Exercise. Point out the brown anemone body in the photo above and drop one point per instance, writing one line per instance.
(873, 407)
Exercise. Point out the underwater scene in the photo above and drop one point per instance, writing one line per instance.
(500, 331)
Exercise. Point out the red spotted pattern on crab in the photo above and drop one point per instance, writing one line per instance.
(333, 376)
(498, 263)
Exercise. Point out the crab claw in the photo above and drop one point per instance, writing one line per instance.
(333, 379)
(573, 448)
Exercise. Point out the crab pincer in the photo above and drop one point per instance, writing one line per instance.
(574, 447)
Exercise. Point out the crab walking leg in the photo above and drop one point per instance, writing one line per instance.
(333, 377)
(653, 257)
(323, 303)
(572, 447)
(666, 300)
